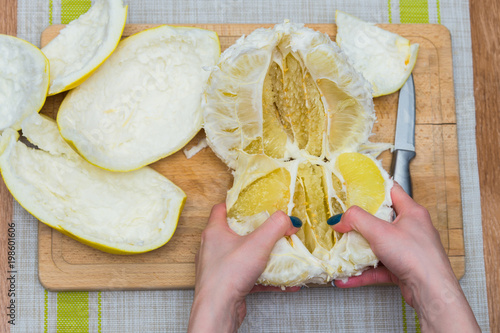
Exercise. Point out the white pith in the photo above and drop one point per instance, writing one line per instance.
(84, 43)
(124, 212)
(143, 103)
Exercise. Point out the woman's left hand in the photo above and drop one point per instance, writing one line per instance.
(227, 267)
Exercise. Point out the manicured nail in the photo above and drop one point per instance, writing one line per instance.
(333, 284)
(297, 223)
(334, 219)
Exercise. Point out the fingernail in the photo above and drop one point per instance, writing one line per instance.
(333, 284)
(334, 219)
(297, 223)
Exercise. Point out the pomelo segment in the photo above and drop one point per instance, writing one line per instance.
(365, 184)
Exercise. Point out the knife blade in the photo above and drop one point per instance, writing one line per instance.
(404, 143)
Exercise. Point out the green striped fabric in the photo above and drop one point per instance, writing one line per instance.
(99, 312)
(73, 312)
(46, 312)
(72, 9)
(73, 308)
(390, 10)
(413, 11)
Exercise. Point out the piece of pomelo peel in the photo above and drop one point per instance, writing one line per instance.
(24, 81)
(84, 44)
(144, 102)
(384, 58)
(122, 213)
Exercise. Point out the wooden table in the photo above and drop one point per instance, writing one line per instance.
(486, 52)
(485, 33)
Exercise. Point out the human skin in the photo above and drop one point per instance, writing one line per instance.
(409, 248)
(414, 259)
(227, 267)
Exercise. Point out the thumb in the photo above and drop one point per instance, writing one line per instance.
(369, 226)
(275, 227)
(401, 200)
(218, 215)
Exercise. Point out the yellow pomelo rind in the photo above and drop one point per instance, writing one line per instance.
(27, 66)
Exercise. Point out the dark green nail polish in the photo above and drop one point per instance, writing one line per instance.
(297, 223)
(334, 219)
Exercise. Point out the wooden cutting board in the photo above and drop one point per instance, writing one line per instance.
(65, 264)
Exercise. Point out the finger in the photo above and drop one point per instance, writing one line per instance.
(276, 226)
(373, 276)
(369, 226)
(218, 215)
(260, 288)
(400, 199)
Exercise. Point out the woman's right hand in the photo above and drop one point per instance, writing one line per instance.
(413, 257)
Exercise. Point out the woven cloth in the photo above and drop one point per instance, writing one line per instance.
(370, 309)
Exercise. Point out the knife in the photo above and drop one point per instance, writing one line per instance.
(404, 144)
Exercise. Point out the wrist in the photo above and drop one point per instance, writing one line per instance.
(214, 311)
(434, 291)
(441, 304)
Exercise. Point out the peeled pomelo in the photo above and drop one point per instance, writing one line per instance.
(122, 213)
(24, 81)
(84, 44)
(143, 103)
(287, 111)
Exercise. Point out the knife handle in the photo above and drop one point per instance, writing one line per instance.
(400, 168)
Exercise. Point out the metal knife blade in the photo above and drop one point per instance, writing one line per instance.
(404, 144)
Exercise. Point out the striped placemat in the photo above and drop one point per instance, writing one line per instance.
(315, 310)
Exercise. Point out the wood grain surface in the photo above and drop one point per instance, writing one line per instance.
(8, 26)
(65, 264)
(485, 33)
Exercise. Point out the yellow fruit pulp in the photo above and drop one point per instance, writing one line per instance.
(363, 185)
(269, 193)
(291, 108)
(364, 182)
